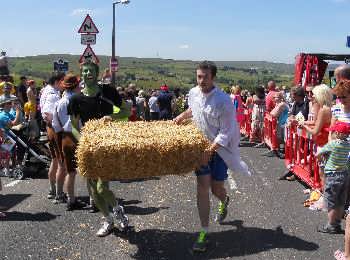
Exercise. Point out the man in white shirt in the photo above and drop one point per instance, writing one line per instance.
(154, 106)
(49, 97)
(214, 114)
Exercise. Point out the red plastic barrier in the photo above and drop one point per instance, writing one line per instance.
(300, 156)
(270, 131)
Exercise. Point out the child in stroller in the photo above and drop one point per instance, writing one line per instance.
(28, 151)
(31, 154)
(6, 147)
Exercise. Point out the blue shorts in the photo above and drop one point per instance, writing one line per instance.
(216, 167)
(336, 189)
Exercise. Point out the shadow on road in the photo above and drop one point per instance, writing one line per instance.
(139, 180)
(135, 210)
(128, 202)
(23, 216)
(10, 200)
(247, 144)
(239, 241)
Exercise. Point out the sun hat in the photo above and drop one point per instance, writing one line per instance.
(4, 100)
(8, 86)
(70, 81)
(141, 93)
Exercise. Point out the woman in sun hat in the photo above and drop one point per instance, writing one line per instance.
(66, 142)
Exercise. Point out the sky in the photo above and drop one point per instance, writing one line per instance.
(226, 30)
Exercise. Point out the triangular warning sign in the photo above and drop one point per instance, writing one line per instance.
(88, 55)
(88, 26)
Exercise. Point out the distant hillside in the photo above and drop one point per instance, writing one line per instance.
(152, 72)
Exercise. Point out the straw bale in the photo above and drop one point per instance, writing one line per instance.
(130, 150)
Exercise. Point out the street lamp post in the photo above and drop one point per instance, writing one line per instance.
(113, 59)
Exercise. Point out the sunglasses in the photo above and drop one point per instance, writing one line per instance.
(309, 93)
(342, 97)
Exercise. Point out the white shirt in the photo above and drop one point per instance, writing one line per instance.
(153, 105)
(215, 116)
(48, 99)
(61, 119)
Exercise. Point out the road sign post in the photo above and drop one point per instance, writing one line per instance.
(114, 65)
(60, 65)
(89, 55)
(88, 26)
(88, 39)
(88, 31)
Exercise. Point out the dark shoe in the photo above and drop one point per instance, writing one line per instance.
(291, 178)
(75, 205)
(91, 208)
(328, 229)
(51, 195)
(271, 153)
(281, 155)
(260, 145)
(244, 138)
(60, 199)
(285, 176)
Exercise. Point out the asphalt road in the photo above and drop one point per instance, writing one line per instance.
(266, 220)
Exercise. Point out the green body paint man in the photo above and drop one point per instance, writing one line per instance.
(97, 102)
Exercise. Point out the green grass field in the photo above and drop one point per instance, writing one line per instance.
(153, 72)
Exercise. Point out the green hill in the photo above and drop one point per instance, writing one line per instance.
(153, 72)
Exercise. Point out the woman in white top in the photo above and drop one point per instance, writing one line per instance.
(65, 140)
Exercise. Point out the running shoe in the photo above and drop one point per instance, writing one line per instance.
(51, 195)
(120, 216)
(77, 204)
(105, 230)
(60, 199)
(201, 243)
(222, 210)
(330, 229)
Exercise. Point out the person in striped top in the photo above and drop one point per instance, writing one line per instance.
(337, 182)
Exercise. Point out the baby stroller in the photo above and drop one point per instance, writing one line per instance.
(31, 154)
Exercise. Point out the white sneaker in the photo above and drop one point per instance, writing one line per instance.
(6, 172)
(105, 230)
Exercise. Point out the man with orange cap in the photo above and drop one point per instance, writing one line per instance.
(164, 101)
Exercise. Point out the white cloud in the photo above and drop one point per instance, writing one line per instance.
(184, 46)
(81, 11)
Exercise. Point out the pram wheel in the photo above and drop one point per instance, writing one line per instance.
(18, 173)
